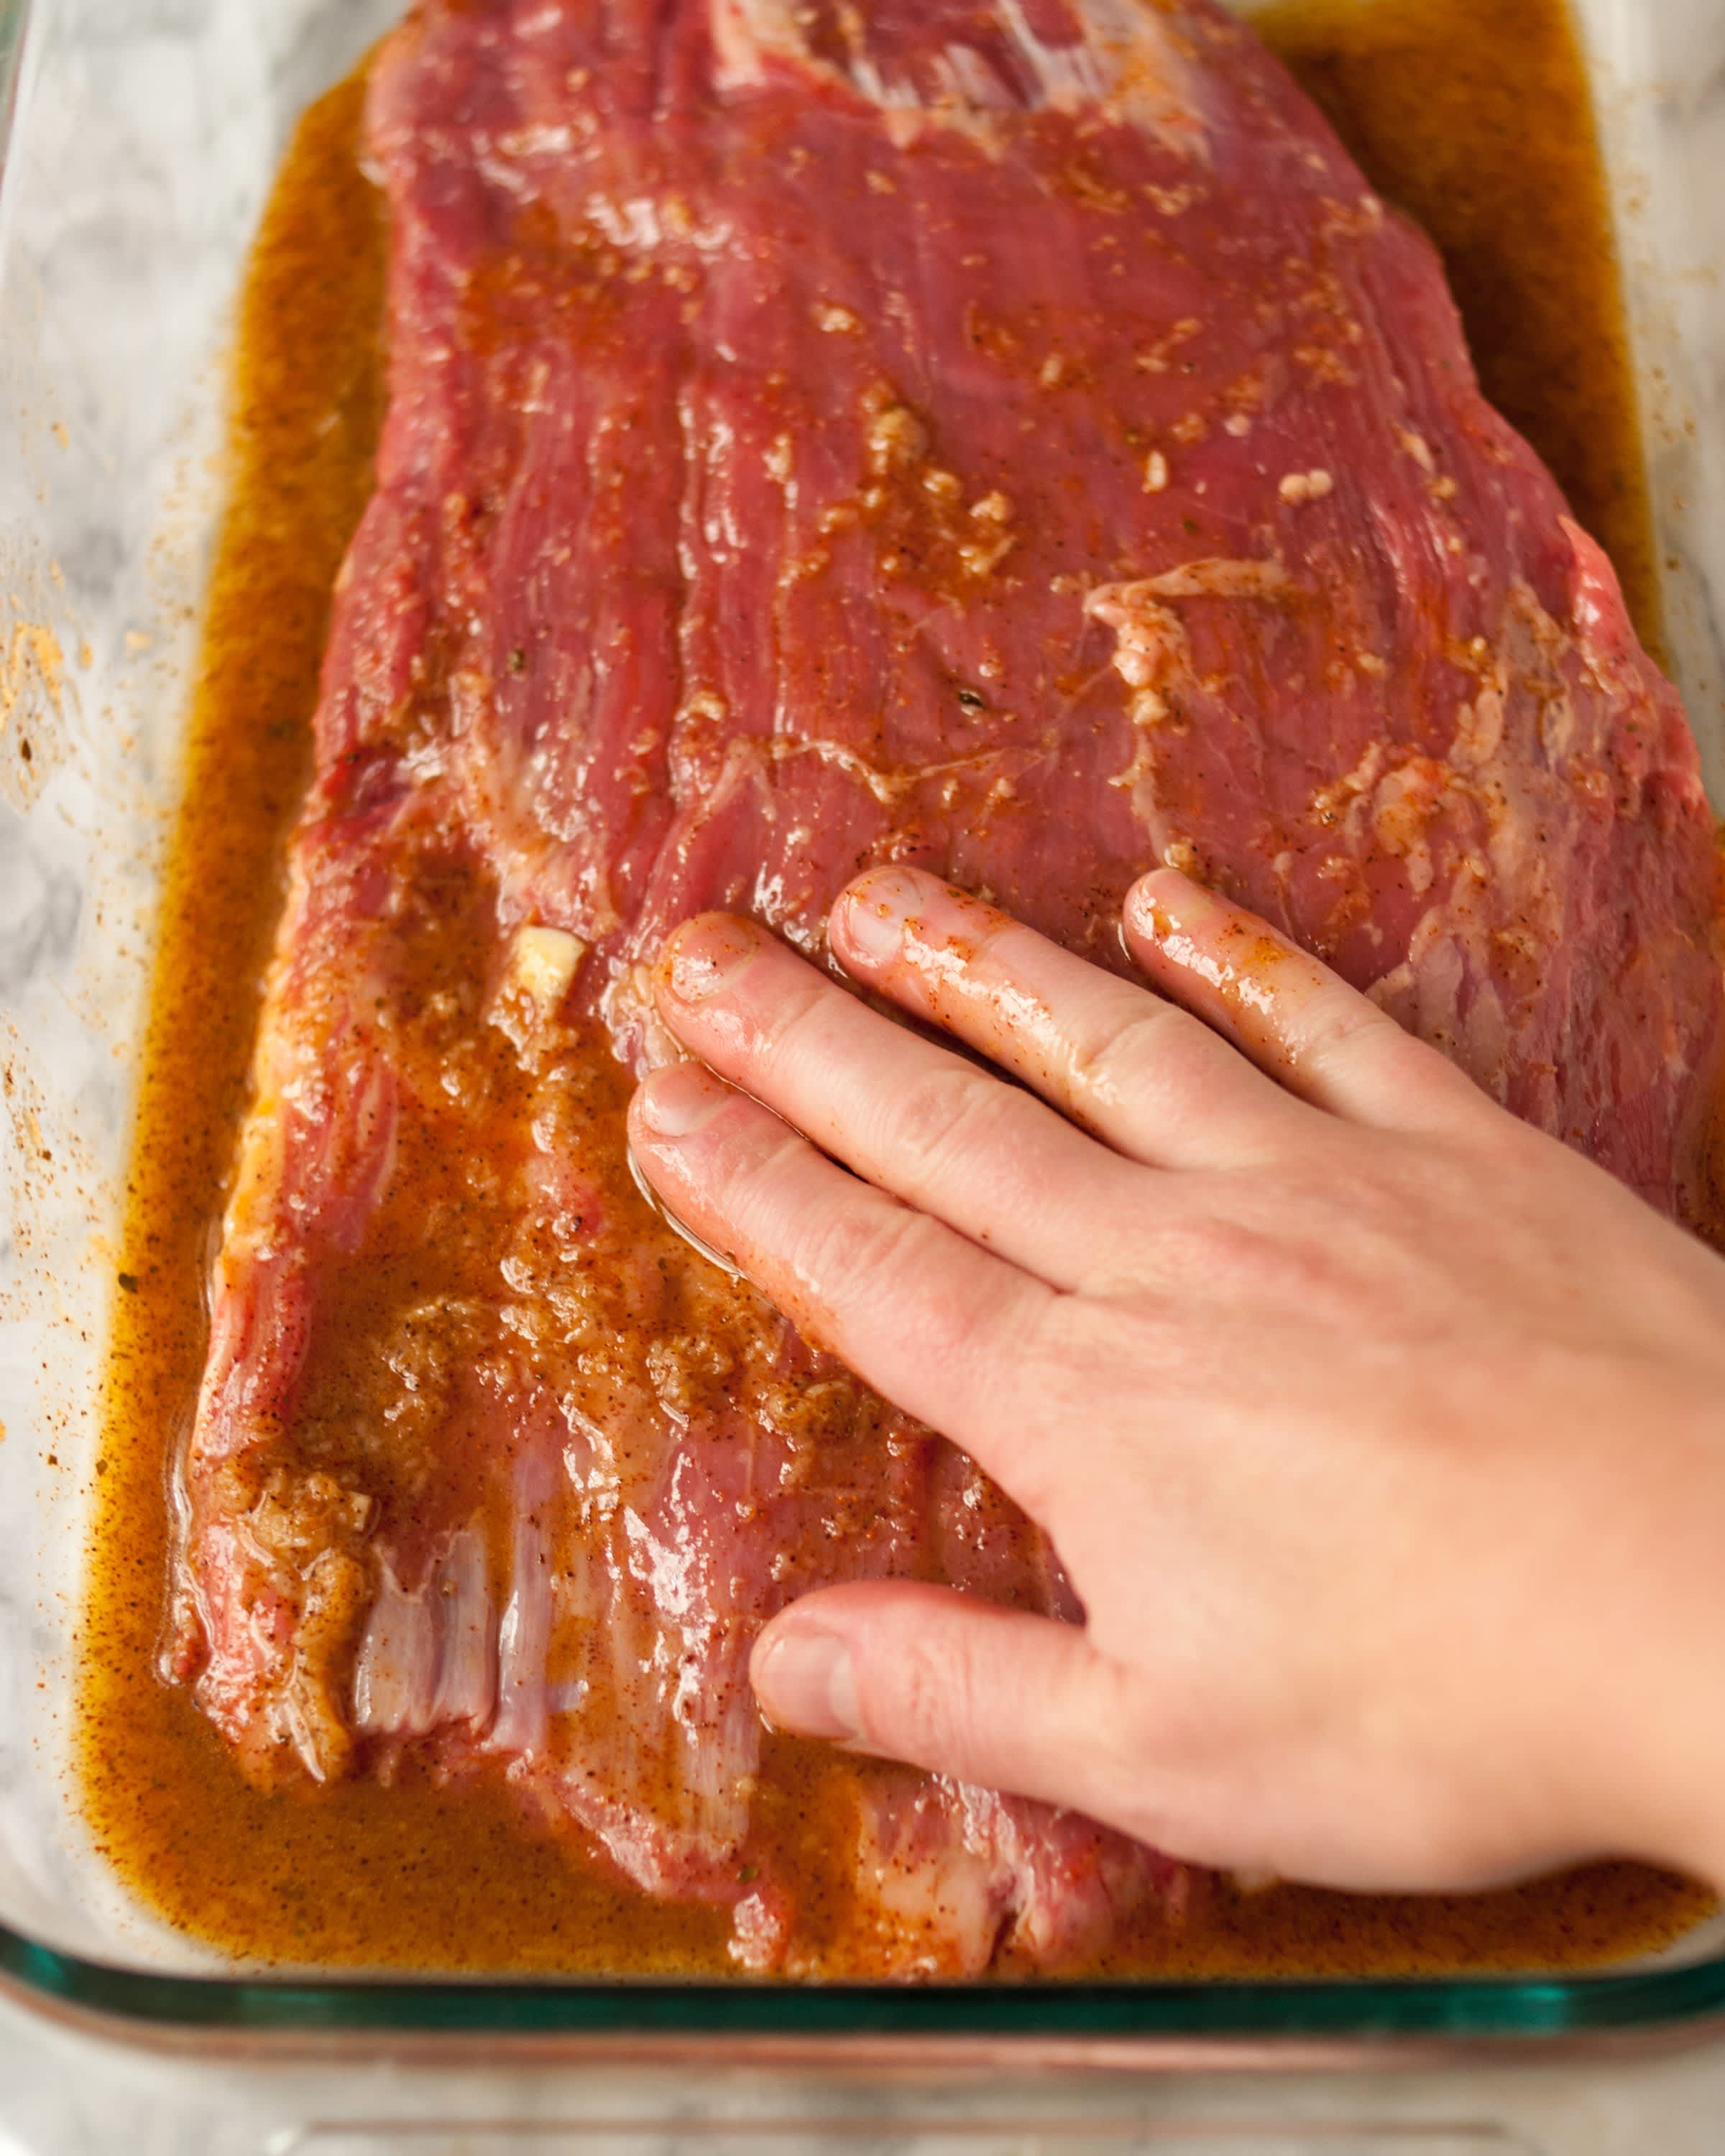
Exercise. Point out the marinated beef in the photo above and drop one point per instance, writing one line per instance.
(1007, 437)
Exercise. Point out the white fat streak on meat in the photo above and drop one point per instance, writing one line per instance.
(345, 1095)
(429, 1655)
(952, 1876)
(715, 1727)
(1152, 656)
(889, 786)
(635, 1707)
(467, 1667)
(667, 1782)
(1067, 1883)
(1471, 826)
(524, 1637)
(1525, 754)
(936, 1901)
(973, 82)
(1123, 62)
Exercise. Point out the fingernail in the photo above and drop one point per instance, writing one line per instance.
(1167, 900)
(704, 958)
(877, 911)
(806, 1682)
(675, 1103)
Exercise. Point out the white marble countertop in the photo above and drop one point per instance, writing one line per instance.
(232, 71)
(63, 2095)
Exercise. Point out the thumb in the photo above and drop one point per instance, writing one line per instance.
(945, 1681)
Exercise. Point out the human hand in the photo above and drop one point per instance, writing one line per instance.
(1382, 1436)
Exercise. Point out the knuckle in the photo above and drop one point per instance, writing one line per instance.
(790, 1021)
(1282, 1263)
(1159, 1045)
(929, 1698)
(1348, 1034)
(948, 1115)
(1001, 947)
(1352, 1040)
(1035, 1455)
(851, 1247)
(1129, 1733)
(926, 1691)
(1216, 1247)
(1341, 1022)
(749, 1153)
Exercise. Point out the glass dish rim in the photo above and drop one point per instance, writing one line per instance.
(1349, 2012)
(1362, 2011)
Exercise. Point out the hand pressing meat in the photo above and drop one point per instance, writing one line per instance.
(1381, 1434)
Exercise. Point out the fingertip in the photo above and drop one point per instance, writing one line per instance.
(890, 881)
(1167, 899)
(804, 1679)
(871, 916)
(673, 1104)
(702, 958)
(1207, 953)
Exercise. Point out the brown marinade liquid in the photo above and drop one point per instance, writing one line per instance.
(1473, 115)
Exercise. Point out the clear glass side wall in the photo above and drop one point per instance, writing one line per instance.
(143, 142)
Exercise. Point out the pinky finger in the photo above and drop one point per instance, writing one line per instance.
(1295, 1019)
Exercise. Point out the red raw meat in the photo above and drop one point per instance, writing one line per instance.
(1010, 438)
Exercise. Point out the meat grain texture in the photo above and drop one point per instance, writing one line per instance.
(1011, 439)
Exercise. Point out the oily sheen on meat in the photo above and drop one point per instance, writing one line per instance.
(1009, 438)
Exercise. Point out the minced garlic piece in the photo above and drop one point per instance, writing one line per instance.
(1300, 487)
(544, 964)
(897, 439)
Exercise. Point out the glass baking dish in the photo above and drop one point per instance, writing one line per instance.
(142, 135)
